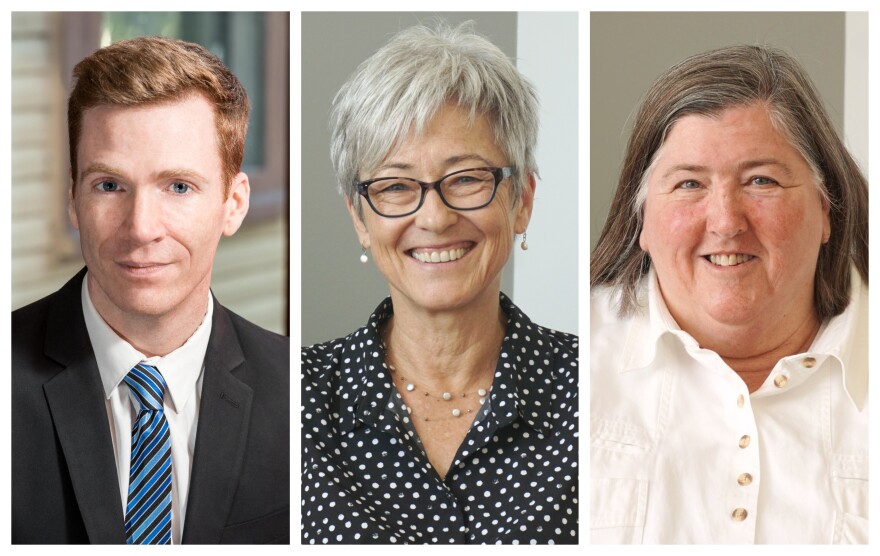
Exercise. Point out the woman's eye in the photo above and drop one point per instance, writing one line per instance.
(108, 186)
(180, 188)
(689, 184)
(762, 180)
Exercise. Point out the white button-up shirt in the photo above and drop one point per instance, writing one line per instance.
(680, 452)
(182, 371)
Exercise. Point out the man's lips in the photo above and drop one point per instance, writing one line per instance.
(142, 267)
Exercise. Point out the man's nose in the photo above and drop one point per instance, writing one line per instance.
(144, 223)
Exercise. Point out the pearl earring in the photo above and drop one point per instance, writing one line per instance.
(524, 245)
(364, 257)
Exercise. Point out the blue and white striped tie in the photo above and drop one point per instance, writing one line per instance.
(148, 512)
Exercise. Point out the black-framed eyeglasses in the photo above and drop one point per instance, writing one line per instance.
(469, 189)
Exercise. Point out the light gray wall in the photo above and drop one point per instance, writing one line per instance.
(629, 50)
(545, 278)
(338, 292)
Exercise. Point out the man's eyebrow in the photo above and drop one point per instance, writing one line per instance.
(180, 173)
(98, 168)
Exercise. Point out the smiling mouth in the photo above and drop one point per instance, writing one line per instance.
(732, 259)
(443, 256)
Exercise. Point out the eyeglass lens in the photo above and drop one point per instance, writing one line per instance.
(464, 190)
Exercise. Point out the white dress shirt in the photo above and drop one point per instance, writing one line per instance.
(182, 370)
(680, 452)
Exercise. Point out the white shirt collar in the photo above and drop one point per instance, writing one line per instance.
(115, 356)
(843, 337)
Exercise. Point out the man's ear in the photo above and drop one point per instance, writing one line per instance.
(360, 228)
(236, 204)
(71, 202)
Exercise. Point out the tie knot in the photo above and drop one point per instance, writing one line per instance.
(147, 387)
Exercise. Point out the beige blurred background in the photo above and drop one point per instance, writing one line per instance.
(629, 50)
(250, 273)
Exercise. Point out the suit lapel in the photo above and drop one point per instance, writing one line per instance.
(76, 401)
(221, 437)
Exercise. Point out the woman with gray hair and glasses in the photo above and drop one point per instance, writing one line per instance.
(450, 417)
(728, 340)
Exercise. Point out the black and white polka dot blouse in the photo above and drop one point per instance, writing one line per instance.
(366, 479)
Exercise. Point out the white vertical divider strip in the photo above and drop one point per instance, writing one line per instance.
(855, 87)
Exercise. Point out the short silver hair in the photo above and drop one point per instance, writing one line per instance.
(400, 88)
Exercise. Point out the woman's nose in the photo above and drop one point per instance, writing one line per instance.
(434, 215)
(725, 214)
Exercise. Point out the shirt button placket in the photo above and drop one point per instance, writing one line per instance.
(743, 494)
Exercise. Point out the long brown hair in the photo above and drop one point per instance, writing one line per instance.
(707, 84)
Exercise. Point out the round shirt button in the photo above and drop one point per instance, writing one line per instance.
(744, 479)
(739, 514)
(780, 381)
(740, 400)
(744, 441)
(809, 362)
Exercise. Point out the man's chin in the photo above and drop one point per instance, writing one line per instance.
(138, 306)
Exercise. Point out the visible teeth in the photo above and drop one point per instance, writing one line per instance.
(440, 256)
(730, 260)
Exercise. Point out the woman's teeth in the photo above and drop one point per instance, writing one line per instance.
(730, 260)
(440, 256)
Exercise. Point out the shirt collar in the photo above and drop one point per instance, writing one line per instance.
(522, 386)
(652, 323)
(115, 356)
(843, 337)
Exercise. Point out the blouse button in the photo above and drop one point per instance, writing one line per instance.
(739, 514)
(809, 362)
(744, 441)
(744, 479)
(740, 400)
(780, 381)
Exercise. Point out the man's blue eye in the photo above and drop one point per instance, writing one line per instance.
(179, 187)
(108, 186)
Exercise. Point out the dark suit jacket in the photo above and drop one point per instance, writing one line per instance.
(64, 481)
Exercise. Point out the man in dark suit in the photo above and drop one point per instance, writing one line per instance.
(143, 411)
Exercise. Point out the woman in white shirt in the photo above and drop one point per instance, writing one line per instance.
(729, 316)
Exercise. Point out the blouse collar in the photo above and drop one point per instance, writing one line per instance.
(522, 386)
